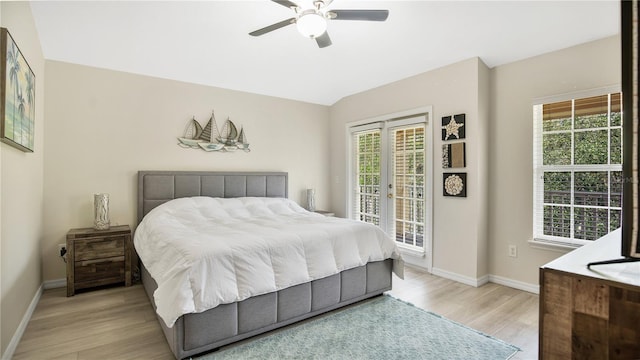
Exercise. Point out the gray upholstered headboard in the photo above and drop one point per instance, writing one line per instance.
(158, 187)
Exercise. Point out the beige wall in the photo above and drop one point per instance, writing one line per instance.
(498, 104)
(21, 192)
(514, 86)
(459, 230)
(103, 126)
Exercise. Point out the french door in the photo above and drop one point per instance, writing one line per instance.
(406, 184)
(391, 178)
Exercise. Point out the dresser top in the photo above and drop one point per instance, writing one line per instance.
(606, 248)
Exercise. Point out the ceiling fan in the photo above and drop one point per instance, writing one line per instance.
(312, 22)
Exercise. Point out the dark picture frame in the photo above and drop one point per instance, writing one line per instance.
(17, 96)
(453, 127)
(454, 155)
(454, 184)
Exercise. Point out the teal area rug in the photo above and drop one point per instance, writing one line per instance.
(380, 328)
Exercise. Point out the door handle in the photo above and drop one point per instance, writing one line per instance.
(390, 196)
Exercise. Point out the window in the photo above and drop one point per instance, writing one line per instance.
(577, 169)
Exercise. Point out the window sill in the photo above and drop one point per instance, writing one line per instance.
(552, 245)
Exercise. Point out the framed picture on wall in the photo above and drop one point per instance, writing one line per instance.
(453, 127)
(454, 184)
(454, 155)
(17, 82)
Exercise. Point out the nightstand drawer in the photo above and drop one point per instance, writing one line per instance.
(98, 248)
(108, 269)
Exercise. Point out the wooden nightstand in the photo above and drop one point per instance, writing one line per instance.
(98, 257)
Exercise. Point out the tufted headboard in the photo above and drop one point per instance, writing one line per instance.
(158, 187)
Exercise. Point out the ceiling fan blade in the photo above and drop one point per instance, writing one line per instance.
(286, 3)
(367, 15)
(272, 27)
(323, 40)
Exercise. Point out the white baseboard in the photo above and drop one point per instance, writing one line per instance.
(13, 344)
(460, 278)
(487, 278)
(515, 284)
(54, 284)
(482, 280)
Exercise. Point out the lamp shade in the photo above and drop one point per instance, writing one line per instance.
(311, 24)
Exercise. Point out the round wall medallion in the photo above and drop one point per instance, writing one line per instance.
(453, 185)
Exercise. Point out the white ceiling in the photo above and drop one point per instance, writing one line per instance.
(207, 42)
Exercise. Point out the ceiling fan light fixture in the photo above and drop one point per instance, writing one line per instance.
(311, 24)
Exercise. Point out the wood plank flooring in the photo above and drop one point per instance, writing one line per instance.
(503, 312)
(119, 323)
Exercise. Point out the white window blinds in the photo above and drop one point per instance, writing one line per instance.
(367, 166)
(577, 168)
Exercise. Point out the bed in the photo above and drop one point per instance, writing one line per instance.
(198, 330)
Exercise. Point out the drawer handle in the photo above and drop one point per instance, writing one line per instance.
(98, 261)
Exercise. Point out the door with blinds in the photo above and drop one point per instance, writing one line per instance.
(367, 180)
(391, 178)
(407, 187)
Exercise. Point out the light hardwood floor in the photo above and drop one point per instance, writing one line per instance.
(119, 323)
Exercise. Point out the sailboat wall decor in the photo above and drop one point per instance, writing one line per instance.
(192, 133)
(210, 138)
(242, 142)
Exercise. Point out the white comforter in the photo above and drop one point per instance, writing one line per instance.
(204, 252)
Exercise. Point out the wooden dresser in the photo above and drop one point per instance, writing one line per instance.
(98, 257)
(590, 313)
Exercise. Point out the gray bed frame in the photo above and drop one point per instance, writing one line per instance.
(201, 332)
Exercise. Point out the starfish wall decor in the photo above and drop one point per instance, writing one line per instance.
(453, 127)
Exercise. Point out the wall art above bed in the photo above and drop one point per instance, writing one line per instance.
(210, 138)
